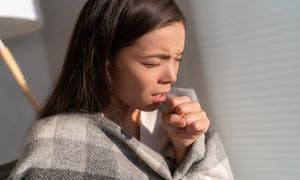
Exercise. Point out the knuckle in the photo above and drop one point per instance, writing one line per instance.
(208, 124)
(181, 109)
(173, 101)
(194, 126)
(203, 114)
(188, 116)
(173, 118)
(186, 98)
(197, 105)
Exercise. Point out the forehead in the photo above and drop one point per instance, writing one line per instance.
(169, 38)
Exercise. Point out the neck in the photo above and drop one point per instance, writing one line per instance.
(128, 119)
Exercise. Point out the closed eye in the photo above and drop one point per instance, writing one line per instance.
(151, 65)
(178, 59)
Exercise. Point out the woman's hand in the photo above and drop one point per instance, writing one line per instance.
(184, 121)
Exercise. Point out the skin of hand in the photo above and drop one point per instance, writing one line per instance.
(184, 121)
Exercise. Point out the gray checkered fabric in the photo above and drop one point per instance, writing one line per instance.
(89, 146)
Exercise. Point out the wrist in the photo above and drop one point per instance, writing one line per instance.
(180, 153)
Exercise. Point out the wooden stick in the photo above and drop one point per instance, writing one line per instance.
(18, 76)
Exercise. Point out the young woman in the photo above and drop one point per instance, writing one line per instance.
(112, 113)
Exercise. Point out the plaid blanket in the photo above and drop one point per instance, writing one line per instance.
(89, 146)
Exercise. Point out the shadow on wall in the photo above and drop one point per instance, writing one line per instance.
(192, 72)
(59, 24)
(37, 54)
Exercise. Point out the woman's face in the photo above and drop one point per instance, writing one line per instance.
(143, 72)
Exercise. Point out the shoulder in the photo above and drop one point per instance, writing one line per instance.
(60, 142)
(65, 126)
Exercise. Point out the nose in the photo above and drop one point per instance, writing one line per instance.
(169, 74)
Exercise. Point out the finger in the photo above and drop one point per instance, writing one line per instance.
(200, 126)
(173, 120)
(174, 101)
(194, 116)
(186, 108)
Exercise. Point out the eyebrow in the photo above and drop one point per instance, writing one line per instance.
(162, 56)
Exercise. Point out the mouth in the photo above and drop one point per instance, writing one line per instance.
(159, 98)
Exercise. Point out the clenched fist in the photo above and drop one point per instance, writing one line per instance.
(184, 121)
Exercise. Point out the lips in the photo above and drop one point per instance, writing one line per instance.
(159, 98)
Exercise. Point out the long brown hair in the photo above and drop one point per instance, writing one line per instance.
(102, 29)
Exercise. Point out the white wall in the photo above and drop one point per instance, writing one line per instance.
(247, 53)
(60, 17)
(40, 56)
(16, 112)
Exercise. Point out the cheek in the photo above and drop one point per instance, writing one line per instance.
(143, 80)
(136, 90)
(136, 83)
